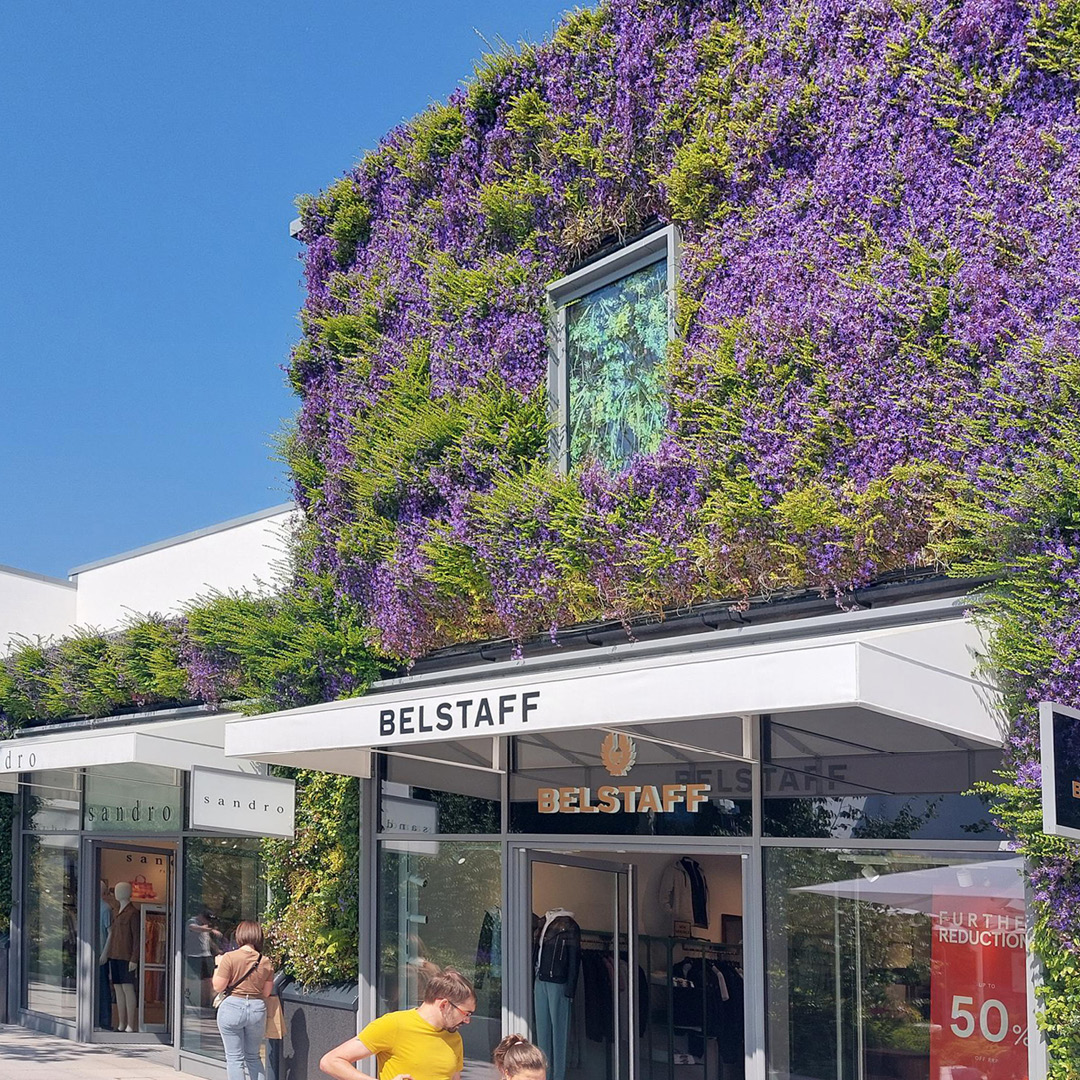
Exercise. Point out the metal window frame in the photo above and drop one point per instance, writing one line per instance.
(664, 242)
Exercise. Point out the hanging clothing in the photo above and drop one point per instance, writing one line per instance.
(730, 1022)
(597, 977)
(684, 892)
(124, 935)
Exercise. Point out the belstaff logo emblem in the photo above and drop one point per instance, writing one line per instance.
(618, 753)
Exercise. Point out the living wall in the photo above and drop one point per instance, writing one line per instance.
(876, 359)
(876, 364)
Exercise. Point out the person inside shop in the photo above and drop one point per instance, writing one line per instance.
(202, 943)
(518, 1059)
(107, 908)
(413, 1044)
(246, 978)
(121, 954)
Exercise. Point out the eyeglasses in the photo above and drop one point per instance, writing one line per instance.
(464, 1012)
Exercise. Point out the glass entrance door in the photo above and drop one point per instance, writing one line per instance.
(584, 947)
(132, 989)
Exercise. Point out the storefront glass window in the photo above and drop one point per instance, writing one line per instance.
(651, 780)
(885, 964)
(223, 885)
(425, 797)
(50, 921)
(847, 773)
(50, 800)
(133, 799)
(440, 907)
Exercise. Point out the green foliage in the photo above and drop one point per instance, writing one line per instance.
(313, 881)
(148, 654)
(284, 650)
(433, 136)
(1054, 42)
(24, 680)
(349, 214)
(397, 444)
(528, 113)
(89, 673)
(726, 127)
(585, 30)
(1029, 598)
(509, 206)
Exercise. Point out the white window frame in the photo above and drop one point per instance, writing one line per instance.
(651, 248)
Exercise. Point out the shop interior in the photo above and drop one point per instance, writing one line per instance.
(688, 989)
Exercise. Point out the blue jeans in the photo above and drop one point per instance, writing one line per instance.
(242, 1023)
(552, 1008)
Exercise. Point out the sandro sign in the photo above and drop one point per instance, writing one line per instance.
(242, 803)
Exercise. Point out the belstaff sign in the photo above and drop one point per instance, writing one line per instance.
(619, 753)
(479, 714)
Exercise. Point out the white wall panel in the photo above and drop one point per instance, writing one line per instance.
(164, 577)
(33, 605)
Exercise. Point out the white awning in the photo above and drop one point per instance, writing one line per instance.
(173, 744)
(919, 671)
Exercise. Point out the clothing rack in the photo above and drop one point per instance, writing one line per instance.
(661, 1031)
(719, 950)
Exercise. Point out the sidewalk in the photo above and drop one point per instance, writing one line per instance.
(29, 1055)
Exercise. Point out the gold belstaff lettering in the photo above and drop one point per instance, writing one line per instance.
(621, 798)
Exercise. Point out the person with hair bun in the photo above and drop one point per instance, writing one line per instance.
(517, 1059)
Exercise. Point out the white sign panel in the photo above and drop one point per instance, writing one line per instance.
(242, 804)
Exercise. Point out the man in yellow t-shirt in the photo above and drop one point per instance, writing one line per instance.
(414, 1044)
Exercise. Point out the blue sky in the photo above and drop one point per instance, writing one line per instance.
(149, 159)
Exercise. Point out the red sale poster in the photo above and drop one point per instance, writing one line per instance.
(978, 990)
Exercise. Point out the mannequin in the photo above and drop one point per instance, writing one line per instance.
(121, 953)
(557, 950)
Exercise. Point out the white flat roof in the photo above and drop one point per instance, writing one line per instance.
(172, 744)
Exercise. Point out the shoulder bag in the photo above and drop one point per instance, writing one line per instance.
(221, 995)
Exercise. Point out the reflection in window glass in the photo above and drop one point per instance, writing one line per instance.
(884, 964)
(50, 924)
(415, 799)
(440, 907)
(223, 885)
(885, 780)
(616, 340)
(51, 800)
